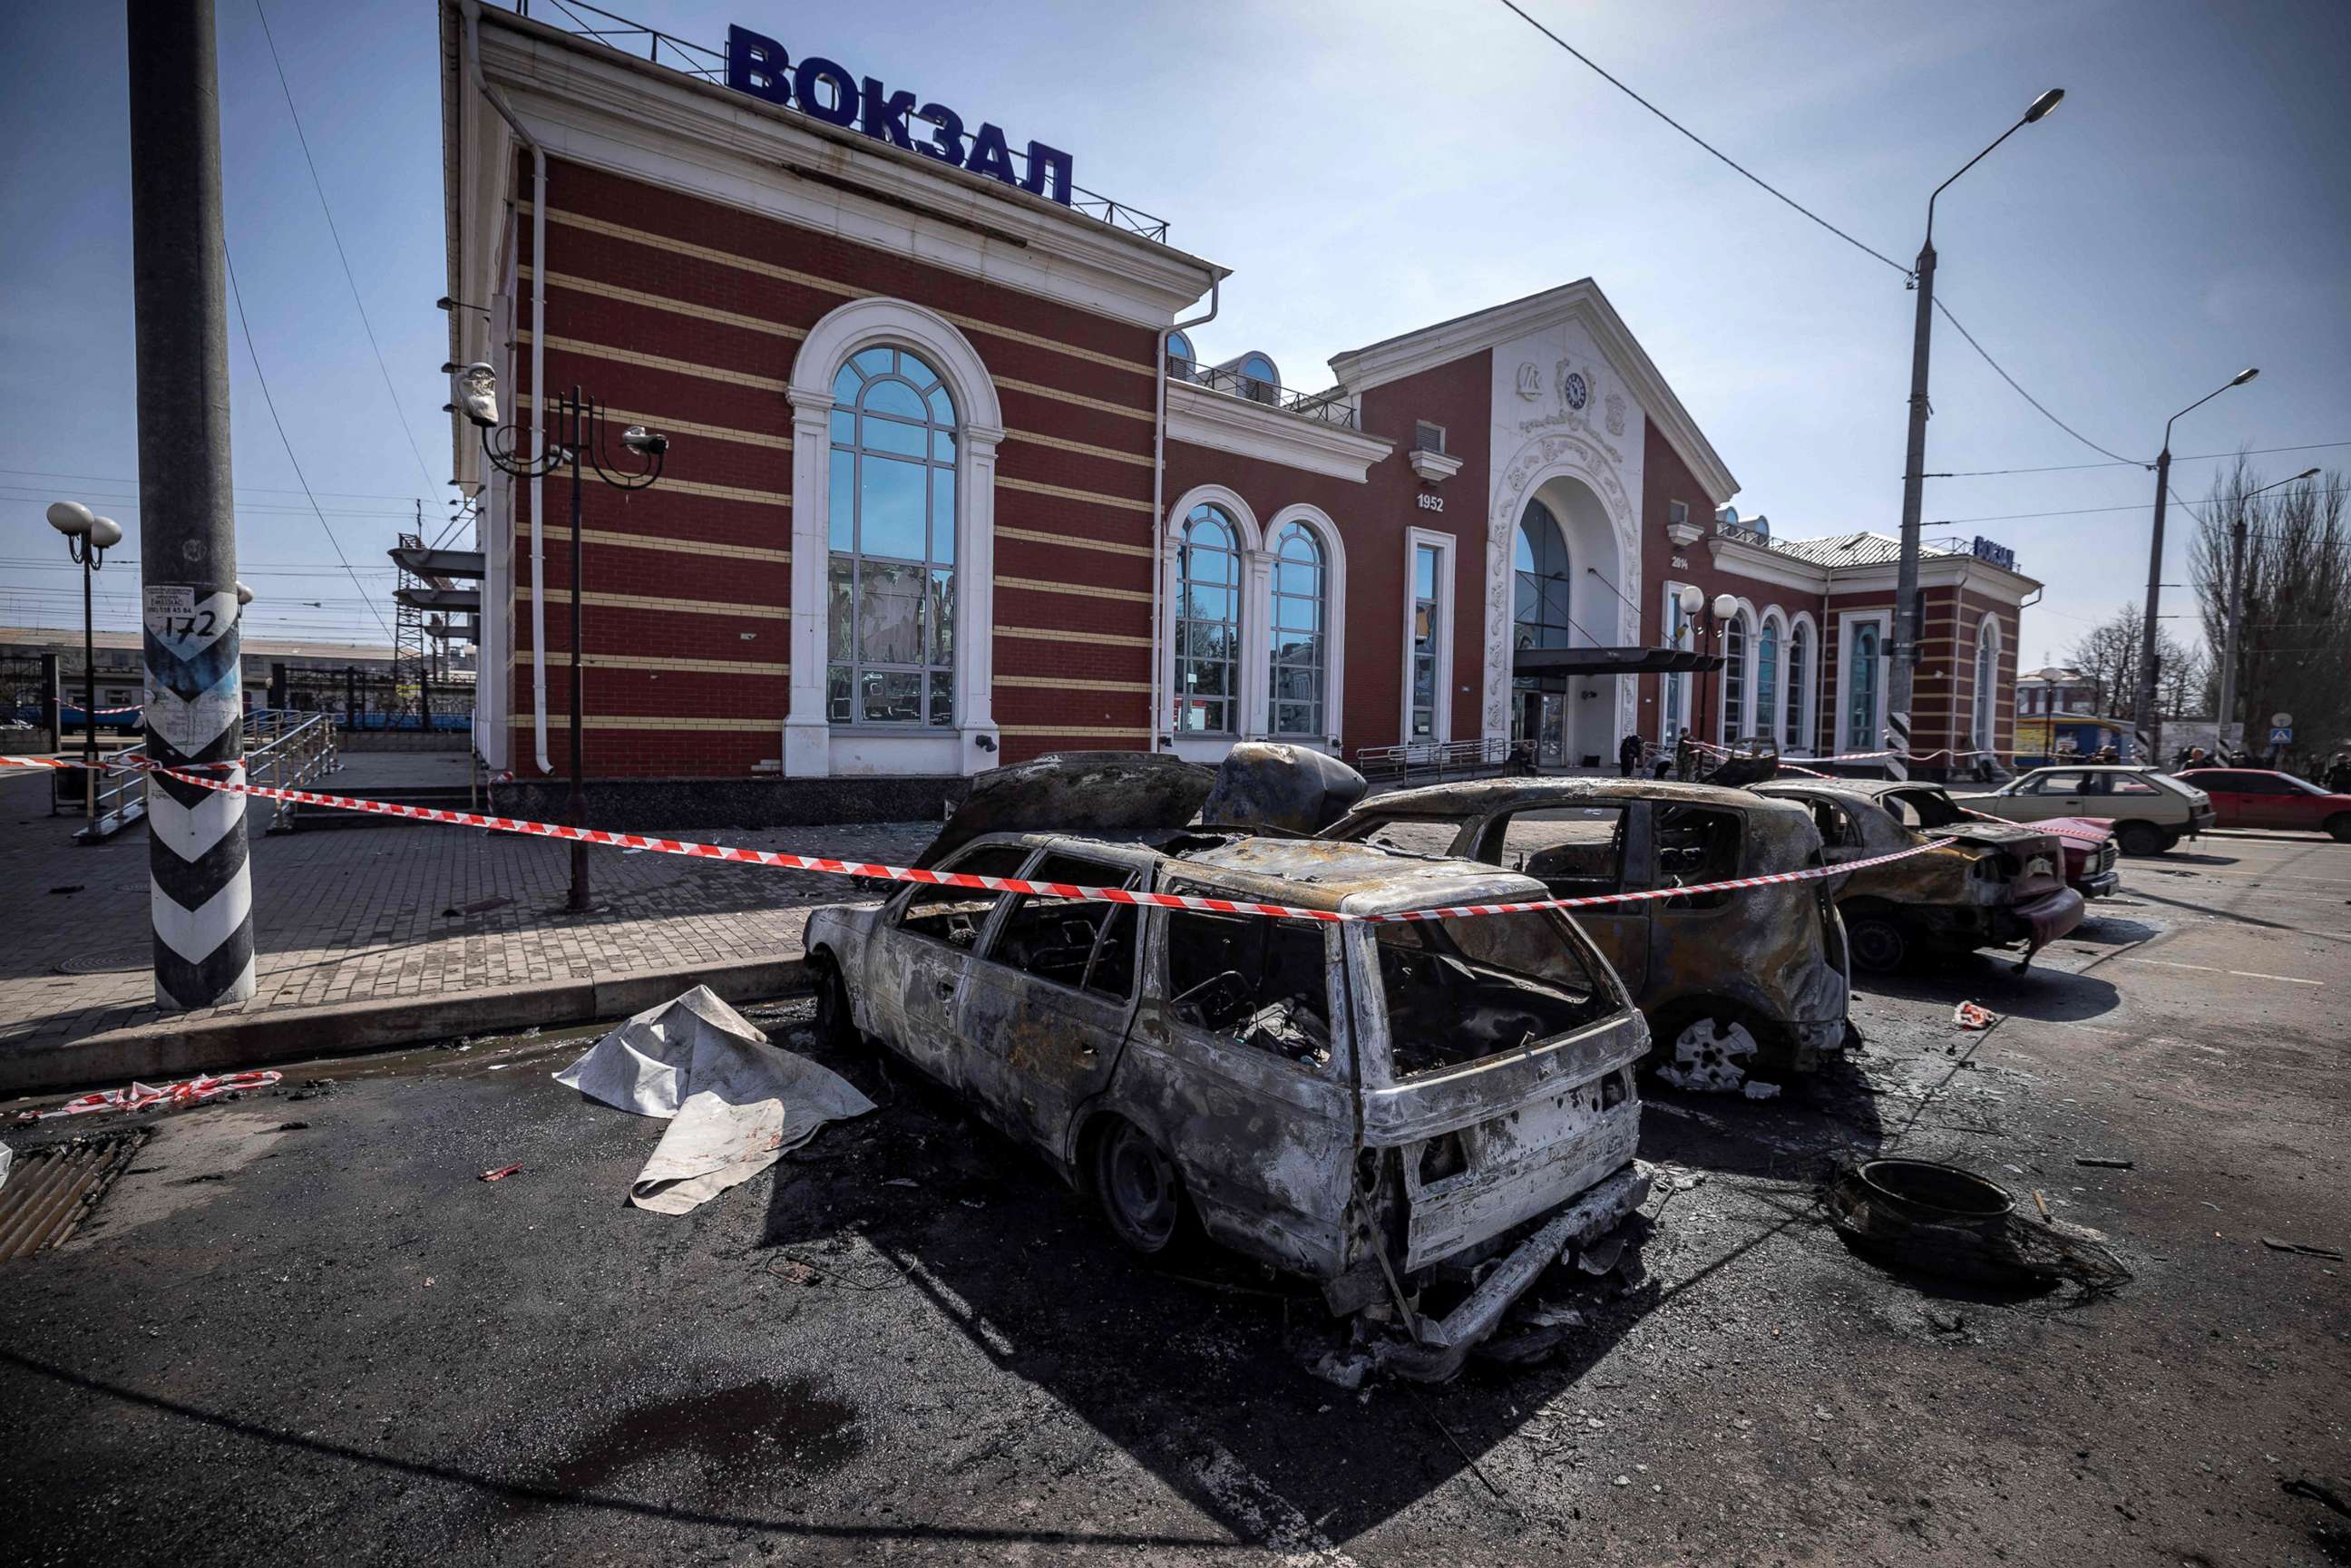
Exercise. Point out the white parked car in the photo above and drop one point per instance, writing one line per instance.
(2151, 810)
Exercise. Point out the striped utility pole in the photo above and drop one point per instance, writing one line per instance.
(201, 897)
(1897, 745)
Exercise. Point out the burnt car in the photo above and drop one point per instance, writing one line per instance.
(2088, 842)
(1983, 885)
(1729, 981)
(1389, 1108)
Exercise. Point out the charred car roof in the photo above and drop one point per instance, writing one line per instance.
(1305, 873)
(1490, 794)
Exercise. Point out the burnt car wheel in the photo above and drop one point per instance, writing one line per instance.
(2338, 827)
(836, 1022)
(2142, 838)
(1710, 1053)
(1878, 941)
(1137, 1187)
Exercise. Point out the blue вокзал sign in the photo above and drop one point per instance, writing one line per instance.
(1998, 554)
(825, 90)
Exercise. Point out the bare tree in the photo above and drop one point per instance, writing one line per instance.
(2297, 604)
(2109, 654)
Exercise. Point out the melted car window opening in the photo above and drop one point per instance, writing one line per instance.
(956, 914)
(1458, 991)
(1083, 944)
(1571, 850)
(1696, 845)
(1256, 981)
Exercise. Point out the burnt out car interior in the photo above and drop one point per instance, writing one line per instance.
(1460, 990)
(1259, 981)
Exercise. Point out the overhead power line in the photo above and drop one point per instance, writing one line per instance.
(2130, 463)
(132, 483)
(2085, 511)
(237, 294)
(2020, 390)
(1717, 152)
(320, 185)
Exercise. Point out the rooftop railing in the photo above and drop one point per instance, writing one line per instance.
(1331, 406)
(705, 64)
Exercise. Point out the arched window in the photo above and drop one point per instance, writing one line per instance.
(1260, 383)
(1734, 677)
(893, 540)
(1767, 678)
(1208, 623)
(1182, 363)
(1539, 617)
(1861, 705)
(1986, 682)
(1298, 616)
(1800, 649)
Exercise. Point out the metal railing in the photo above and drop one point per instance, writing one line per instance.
(1436, 760)
(1331, 406)
(705, 64)
(283, 749)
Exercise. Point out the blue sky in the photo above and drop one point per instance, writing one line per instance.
(1364, 169)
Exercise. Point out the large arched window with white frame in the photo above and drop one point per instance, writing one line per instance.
(1737, 636)
(1768, 643)
(1208, 622)
(1795, 734)
(1299, 615)
(891, 580)
(1987, 687)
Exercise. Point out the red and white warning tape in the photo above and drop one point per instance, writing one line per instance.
(780, 860)
(195, 1091)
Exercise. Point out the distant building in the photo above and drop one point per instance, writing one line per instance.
(2057, 688)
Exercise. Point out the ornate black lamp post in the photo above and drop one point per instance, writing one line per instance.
(87, 539)
(576, 433)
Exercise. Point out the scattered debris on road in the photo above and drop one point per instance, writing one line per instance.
(58, 1187)
(500, 1174)
(734, 1102)
(2305, 1248)
(2102, 1163)
(1969, 1015)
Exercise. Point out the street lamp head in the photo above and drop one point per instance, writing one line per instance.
(651, 443)
(70, 518)
(105, 533)
(2305, 474)
(2044, 103)
(1725, 606)
(477, 394)
(1693, 599)
(244, 595)
(2248, 374)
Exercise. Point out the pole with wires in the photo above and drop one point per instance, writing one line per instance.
(202, 898)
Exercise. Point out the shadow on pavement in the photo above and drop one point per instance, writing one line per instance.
(2046, 996)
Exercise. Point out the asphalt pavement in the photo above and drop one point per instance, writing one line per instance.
(302, 1329)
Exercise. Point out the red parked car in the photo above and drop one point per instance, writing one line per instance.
(2254, 797)
(2090, 849)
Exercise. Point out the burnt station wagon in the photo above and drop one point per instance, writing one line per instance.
(1356, 1103)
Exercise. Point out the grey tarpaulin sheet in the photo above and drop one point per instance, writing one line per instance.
(735, 1103)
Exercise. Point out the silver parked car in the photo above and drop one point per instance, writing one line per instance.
(1356, 1103)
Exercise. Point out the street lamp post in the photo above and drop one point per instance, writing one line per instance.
(1718, 613)
(2145, 721)
(87, 539)
(2233, 625)
(1914, 471)
(579, 434)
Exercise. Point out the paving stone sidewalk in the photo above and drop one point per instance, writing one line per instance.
(381, 912)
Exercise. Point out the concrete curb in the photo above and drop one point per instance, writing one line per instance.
(155, 1053)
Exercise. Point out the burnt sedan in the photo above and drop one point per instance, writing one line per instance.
(1388, 1108)
(1982, 884)
(1729, 981)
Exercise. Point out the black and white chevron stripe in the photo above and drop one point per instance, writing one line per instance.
(1897, 742)
(201, 896)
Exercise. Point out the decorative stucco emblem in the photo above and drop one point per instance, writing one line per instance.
(1530, 382)
(1616, 413)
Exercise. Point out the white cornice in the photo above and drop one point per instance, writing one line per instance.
(612, 110)
(1358, 369)
(1223, 422)
(1433, 468)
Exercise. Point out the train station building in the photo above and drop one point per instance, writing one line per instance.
(955, 478)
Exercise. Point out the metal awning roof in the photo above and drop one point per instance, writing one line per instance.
(1611, 661)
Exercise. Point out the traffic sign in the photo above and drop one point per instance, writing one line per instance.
(2282, 735)
(2282, 720)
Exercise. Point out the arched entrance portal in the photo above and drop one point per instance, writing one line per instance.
(1565, 567)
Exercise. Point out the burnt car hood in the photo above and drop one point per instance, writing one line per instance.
(1261, 785)
(1997, 835)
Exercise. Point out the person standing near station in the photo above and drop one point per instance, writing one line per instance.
(1628, 755)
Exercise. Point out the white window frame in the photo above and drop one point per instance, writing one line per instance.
(813, 747)
(1983, 727)
(1447, 633)
(1849, 622)
(1807, 739)
(1334, 626)
(1682, 684)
